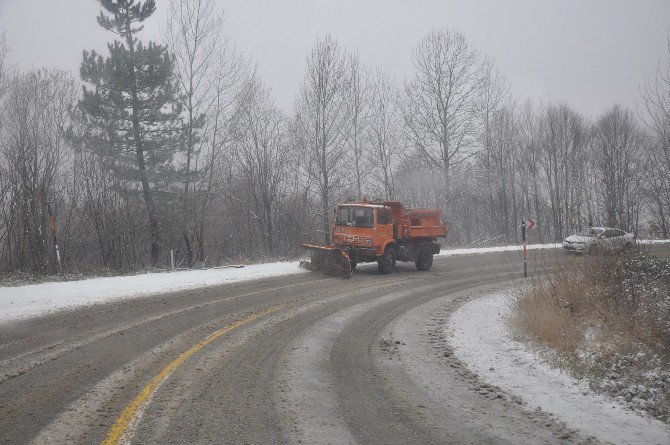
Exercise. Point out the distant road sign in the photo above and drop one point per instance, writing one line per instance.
(531, 223)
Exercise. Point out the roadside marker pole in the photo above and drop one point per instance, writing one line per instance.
(525, 224)
(52, 223)
(523, 237)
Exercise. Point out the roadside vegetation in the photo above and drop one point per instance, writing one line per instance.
(607, 320)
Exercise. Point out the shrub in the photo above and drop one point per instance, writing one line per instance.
(607, 319)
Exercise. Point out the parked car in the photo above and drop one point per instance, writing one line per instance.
(595, 238)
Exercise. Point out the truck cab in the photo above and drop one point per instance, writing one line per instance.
(363, 226)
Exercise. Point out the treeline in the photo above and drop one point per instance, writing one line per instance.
(179, 146)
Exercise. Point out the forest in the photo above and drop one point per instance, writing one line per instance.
(178, 145)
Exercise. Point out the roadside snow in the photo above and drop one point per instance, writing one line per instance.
(479, 335)
(478, 250)
(517, 247)
(38, 299)
(653, 241)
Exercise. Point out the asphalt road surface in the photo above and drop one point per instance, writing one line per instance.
(299, 359)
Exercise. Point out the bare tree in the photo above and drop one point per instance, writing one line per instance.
(529, 146)
(358, 103)
(232, 71)
(657, 188)
(32, 153)
(564, 141)
(383, 130)
(441, 100)
(618, 142)
(324, 120)
(4, 71)
(502, 161)
(193, 35)
(656, 95)
(655, 114)
(4, 83)
(495, 97)
(262, 153)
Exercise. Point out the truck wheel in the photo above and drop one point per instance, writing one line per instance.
(386, 261)
(424, 261)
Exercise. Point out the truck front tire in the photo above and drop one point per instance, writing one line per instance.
(424, 261)
(386, 262)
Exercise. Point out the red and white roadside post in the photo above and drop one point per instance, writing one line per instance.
(52, 224)
(530, 223)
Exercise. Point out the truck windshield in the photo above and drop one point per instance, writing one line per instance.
(355, 216)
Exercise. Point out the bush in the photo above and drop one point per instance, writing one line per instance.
(607, 319)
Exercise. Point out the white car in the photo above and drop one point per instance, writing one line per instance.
(595, 238)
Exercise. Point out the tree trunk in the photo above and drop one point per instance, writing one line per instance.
(189, 249)
(326, 218)
(154, 229)
(270, 227)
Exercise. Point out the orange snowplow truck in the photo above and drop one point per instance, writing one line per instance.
(384, 232)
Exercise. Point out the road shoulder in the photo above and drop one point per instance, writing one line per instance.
(421, 368)
(480, 337)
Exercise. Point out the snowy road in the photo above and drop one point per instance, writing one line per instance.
(300, 358)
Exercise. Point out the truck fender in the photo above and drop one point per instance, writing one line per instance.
(390, 243)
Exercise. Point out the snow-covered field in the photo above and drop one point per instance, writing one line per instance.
(480, 337)
(38, 299)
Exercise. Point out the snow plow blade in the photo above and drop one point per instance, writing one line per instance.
(328, 260)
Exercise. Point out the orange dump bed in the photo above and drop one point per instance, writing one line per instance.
(425, 223)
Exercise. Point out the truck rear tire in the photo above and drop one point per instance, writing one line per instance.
(386, 262)
(424, 261)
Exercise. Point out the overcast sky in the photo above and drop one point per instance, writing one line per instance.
(588, 53)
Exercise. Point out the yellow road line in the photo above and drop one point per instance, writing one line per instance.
(128, 414)
(122, 423)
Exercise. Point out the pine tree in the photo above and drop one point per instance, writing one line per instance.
(131, 109)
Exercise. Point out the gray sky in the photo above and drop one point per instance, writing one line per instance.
(588, 53)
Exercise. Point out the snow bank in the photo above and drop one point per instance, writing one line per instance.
(38, 299)
(653, 241)
(479, 335)
(478, 250)
(517, 247)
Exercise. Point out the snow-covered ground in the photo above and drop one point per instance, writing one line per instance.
(517, 247)
(480, 337)
(38, 299)
(478, 250)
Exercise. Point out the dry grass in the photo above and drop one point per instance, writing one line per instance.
(607, 319)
